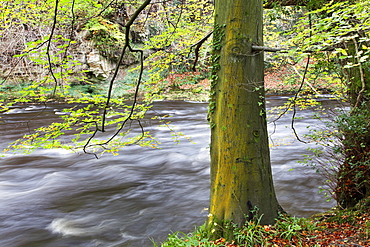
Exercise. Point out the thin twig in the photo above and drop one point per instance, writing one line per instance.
(362, 77)
(49, 45)
(294, 100)
(309, 84)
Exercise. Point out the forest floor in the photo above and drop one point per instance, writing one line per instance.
(331, 230)
(350, 227)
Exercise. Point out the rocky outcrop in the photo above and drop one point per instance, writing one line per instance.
(93, 63)
(96, 66)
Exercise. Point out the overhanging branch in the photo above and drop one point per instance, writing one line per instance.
(126, 47)
(257, 48)
(197, 47)
(268, 49)
(269, 4)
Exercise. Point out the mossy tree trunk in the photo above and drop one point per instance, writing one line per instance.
(241, 179)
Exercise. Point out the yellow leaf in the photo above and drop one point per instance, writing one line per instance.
(344, 52)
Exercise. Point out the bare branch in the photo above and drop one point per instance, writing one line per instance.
(295, 97)
(269, 4)
(362, 76)
(49, 44)
(127, 45)
(197, 47)
(268, 49)
(107, 104)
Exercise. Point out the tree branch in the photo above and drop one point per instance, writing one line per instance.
(269, 4)
(268, 49)
(49, 45)
(197, 47)
(126, 46)
(312, 4)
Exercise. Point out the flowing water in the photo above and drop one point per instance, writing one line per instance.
(53, 198)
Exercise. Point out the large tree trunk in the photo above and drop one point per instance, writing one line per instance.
(241, 179)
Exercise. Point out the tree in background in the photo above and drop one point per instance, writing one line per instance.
(337, 37)
(241, 180)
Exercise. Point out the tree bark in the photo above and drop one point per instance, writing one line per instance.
(241, 178)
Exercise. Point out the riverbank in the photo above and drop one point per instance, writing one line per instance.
(278, 81)
(190, 86)
(349, 227)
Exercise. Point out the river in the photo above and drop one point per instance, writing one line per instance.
(54, 198)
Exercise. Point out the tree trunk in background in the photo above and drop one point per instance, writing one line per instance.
(241, 179)
(353, 182)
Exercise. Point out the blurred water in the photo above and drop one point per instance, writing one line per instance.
(54, 198)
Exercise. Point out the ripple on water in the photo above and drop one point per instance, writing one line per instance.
(66, 199)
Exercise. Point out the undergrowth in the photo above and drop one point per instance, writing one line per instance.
(251, 234)
(349, 227)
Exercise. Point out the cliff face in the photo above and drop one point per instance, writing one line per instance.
(92, 62)
(88, 50)
(30, 68)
